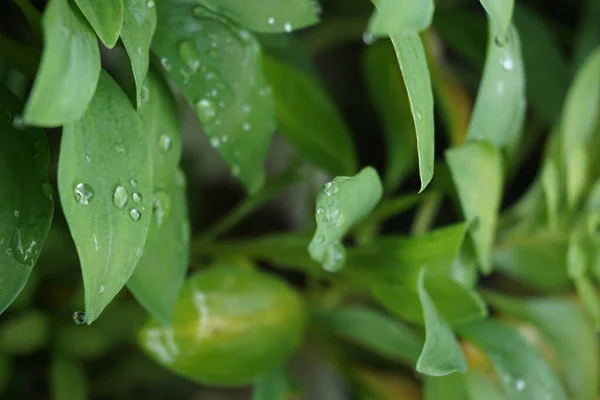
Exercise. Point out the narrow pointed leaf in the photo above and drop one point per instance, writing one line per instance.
(400, 17)
(476, 169)
(411, 57)
(217, 66)
(340, 205)
(106, 17)
(139, 23)
(26, 205)
(500, 11)
(309, 119)
(69, 70)
(105, 185)
(523, 373)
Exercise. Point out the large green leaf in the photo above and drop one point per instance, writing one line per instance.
(499, 109)
(139, 23)
(275, 385)
(441, 354)
(388, 92)
(476, 169)
(400, 17)
(523, 373)
(308, 118)
(105, 185)
(500, 11)
(217, 66)
(68, 380)
(106, 17)
(267, 15)
(161, 270)
(411, 57)
(569, 332)
(69, 69)
(341, 204)
(373, 330)
(26, 205)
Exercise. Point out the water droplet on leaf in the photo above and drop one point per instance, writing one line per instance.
(120, 148)
(270, 20)
(507, 63)
(88, 158)
(137, 198)
(189, 55)
(332, 188)
(332, 216)
(79, 317)
(120, 197)
(144, 94)
(150, 3)
(246, 127)
(501, 40)
(17, 214)
(135, 214)
(320, 210)
(335, 257)
(319, 239)
(101, 289)
(165, 63)
(165, 143)
(287, 27)
(133, 182)
(83, 193)
(205, 110)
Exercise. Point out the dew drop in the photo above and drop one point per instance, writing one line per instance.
(101, 289)
(520, 385)
(419, 116)
(165, 143)
(287, 27)
(144, 94)
(79, 317)
(246, 127)
(120, 197)
(332, 188)
(335, 257)
(120, 148)
(246, 108)
(189, 55)
(88, 158)
(501, 40)
(83, 193)
(137, 198)
(133, 182)
(135, 214)
(17, 213)
(319, 239)
(320, 210)
(507, 63)
(161, 206)
(368, 39)
(150, 3)
(332, 216)
(205, 110)
(270, 20)
(165, 63)
(18, 122)
(215, 142)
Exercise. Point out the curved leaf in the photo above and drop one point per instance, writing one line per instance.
(217, 67)
(105, 185)
(69, 70)
(139, 23)
(400, 17)
(26, 205)
(106, 17)
(500, 11)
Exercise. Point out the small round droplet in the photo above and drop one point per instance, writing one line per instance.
(88, 158)
(368, 39)
(135, 214)
(335, 257)
(79, 317)
(246, 127)
(165, 63)
(507, 63)
(332, 188)
(17, 213)
(501, 40)
(205, 110)
(332, 216)
(419, 116)
(520, 385)
(133, 182)
(101, 289)
(150, 3)
(165, 143)
(83, 193)
(287, 27)
(120, 148)
(18, 122)
(144, 94)
(137, 197)
(215, 142)
(320, 210)
(270, 20)
(246, 108)
(319, 239)
(47, 190)
(120, 197)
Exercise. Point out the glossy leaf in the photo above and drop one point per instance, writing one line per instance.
(441, 354)
(569, 332)
(400, 17)
(500, 11)
(309, 119)
(274, 385)
(217, 66)
(161, 270)
(372, 330)
(67, 380)
(476, 169)
(139, 23)
(522, 371)
(105, 185)
(388, 93)
(502, 88)
(26, 205)
(230, 326)
(411, 57)
(341, 204)
(65, 84)
(106, 17)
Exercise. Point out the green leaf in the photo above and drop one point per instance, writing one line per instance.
(217, 66)
(448, 387)
(158, 277)
(522, 371)
(139, 23)
(268, 16)
(275, 385)
(24, 334)
(441, 354)
(373, 330)
(341, 204)
(481, 387)
(388, 93)
(588, 293)
(26, 205)
(411, 57)
(500, 11)
(105, 185)
(500, 105)
(400, 17)
(106, 17)
(588, 33)
(68, 380)
(69, 70)
(569, 332)
(476, 169)
(309, 119)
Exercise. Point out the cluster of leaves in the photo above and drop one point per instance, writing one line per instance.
(410, 301)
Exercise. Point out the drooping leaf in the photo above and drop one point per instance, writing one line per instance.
(522, 371)
(569, 332)
(161, 270)
(217, 67)
(69, 70)
(441, 354)
(26, 205)
(341, 204)
(476, 169)
(139, 23)
(105, 185)
(500, 11)
(68, 380)
(413, 64)
(388, 92)
(400, 17)
(373, 330)
(274, 385)
(106, 17)
(502, 88)
(308, 118)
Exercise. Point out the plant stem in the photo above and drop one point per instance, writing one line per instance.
(426, 214)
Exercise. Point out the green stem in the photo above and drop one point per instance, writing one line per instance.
(33, 17)
(23, 58)
(426, 214)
